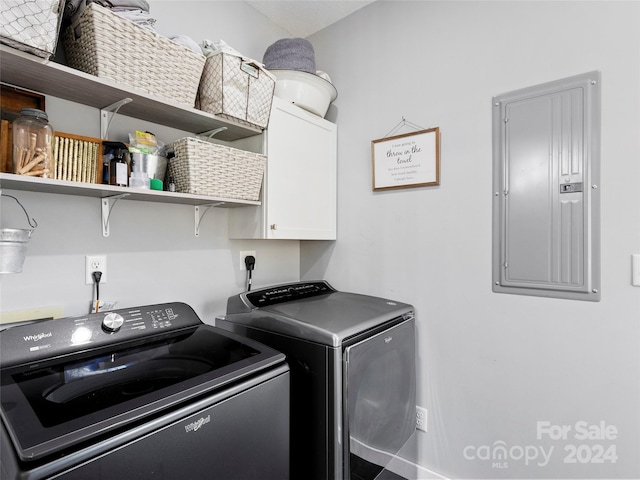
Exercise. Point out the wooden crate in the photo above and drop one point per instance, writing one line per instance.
(77, 158)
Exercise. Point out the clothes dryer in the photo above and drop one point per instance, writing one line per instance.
(352, 363)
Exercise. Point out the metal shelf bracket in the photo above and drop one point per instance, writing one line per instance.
(198, 218)
(107, 206)
(106, 119)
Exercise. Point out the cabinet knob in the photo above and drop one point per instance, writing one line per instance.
(274, 226)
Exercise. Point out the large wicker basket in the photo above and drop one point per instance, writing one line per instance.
(101, 43)
(204, 168)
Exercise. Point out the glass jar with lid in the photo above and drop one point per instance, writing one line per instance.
(32, 144)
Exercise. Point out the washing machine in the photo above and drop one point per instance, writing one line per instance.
(353, 381)
(142, 393)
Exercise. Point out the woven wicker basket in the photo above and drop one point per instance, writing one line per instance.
(236, 88)
(205, 168)
(101, 43)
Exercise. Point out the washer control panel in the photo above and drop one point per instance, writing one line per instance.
(37, 340)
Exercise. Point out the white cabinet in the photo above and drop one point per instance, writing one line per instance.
(299, 192)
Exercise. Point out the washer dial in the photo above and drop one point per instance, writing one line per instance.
(112, 322)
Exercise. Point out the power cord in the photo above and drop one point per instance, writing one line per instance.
(96, 279)
(250, 263)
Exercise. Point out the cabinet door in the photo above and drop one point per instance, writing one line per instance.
(299, 191)
(301, 150)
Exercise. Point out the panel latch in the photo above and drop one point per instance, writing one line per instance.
(571, 187)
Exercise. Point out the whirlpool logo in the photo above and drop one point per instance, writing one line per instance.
(37, 337)
(193, 426)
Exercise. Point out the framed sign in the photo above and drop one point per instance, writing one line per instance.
(408, 160)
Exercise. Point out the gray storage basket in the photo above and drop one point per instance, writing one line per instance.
(204, 168)
(236, 88)
(103, 44)
(31, 25)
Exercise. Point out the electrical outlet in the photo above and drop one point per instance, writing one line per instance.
(95, 263)
(421, 418)
(246, 253)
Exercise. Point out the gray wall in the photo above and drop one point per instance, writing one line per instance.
(152, 253)
(491, 366)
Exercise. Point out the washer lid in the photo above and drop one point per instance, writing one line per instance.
(326, 318)
(62, 401)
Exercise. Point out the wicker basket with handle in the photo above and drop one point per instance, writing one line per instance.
(101, 43)
(204, 168)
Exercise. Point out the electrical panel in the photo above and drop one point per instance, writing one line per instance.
(546, 189)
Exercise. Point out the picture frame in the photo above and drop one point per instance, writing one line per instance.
(406, 161)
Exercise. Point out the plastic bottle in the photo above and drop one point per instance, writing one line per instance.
(32, 140)
(119, 169)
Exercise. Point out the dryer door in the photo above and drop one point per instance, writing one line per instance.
(380, 396)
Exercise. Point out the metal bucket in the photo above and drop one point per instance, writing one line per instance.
(13, 244)
(153, 165)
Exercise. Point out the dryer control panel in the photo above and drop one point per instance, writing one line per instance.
(288, 292)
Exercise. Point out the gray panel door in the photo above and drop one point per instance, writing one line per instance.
(546, 220)
(381, 393)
